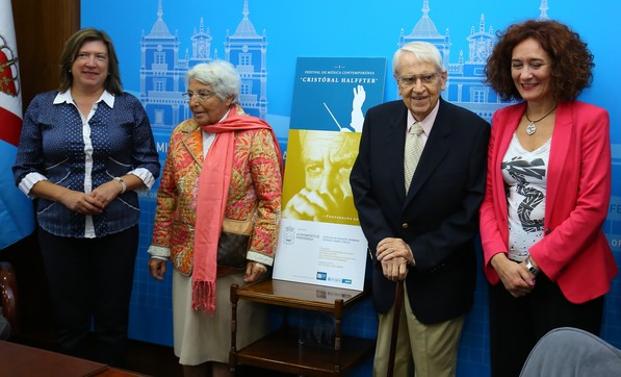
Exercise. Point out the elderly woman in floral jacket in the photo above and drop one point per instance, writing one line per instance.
(218, 209)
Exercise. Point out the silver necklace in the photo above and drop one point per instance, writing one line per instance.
(532, 124)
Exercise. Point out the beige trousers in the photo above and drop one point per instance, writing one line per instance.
(433, 348)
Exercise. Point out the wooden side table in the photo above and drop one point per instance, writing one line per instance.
(282, 350)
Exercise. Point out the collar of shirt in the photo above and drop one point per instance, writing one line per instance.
(426, 123)
(66, 96)
(209, 137)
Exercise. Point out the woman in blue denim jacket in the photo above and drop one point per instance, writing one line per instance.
(84, 151)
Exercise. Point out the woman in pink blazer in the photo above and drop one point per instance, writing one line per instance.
(547, 194)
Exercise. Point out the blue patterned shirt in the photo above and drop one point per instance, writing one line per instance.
(81, 153)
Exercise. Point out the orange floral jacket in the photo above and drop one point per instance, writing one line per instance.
(254, 195)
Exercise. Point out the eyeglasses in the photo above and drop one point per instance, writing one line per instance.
(201, 95)
(425, 79)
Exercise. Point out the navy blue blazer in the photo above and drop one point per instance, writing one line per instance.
(438, 218)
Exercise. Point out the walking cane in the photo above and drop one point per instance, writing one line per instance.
(395, 327)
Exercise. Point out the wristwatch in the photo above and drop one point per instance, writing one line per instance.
(530, 266)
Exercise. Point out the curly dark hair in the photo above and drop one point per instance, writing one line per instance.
(571, 60)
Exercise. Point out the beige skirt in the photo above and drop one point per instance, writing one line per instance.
(200, 337)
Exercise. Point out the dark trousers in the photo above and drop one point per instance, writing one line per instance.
(516, 324)
(90, 282)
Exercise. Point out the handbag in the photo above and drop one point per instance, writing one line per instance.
(234, 242)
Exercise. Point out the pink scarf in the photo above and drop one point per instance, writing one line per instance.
(213, 188)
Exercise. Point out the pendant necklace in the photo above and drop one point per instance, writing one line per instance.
(532, 124)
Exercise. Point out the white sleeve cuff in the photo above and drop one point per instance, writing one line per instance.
(25, 185)
(145, 176)
(159, 252)
(258, 257)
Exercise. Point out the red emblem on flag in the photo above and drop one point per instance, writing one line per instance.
(8, 69)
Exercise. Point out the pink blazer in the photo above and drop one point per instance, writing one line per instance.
(573, 252)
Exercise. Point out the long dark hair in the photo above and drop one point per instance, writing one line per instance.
(70, 53)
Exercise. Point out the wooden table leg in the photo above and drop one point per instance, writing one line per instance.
(338, 336)
(233, 351)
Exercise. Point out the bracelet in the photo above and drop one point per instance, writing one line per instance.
(123, 184)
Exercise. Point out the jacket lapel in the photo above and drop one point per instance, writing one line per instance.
(395, 145)
(192, 140)
(560, 144)
(507, 125)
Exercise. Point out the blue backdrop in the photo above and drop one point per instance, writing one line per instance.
(157, 40)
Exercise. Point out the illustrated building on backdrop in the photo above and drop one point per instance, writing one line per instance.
(163, 65)
(466, 78)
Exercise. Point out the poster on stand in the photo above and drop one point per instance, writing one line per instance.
(321, 241)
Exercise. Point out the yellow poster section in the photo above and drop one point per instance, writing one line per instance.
(316, 179)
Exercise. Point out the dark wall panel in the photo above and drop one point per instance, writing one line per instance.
(41, 28)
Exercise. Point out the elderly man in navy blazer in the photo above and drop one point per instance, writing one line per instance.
(417, 183)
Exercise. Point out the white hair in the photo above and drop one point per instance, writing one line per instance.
(423, 51)
(220, 75)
